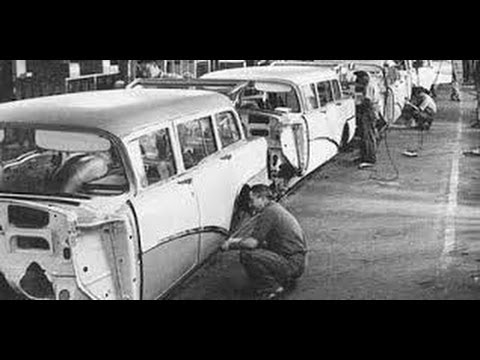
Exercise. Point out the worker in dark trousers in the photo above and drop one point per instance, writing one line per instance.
(368, 110)
(419, 114)
(421, 109)
(455, 93)
(274, 255)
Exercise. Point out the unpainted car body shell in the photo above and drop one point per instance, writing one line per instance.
(142, 243)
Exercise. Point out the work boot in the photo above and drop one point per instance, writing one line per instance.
(475, 152)
(411, 153)
(272, 295)
(366, 165)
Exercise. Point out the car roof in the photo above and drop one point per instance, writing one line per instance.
(119, 112)
(379, 63)
(298, 75)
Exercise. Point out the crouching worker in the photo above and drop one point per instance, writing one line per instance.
(274, 256)
(422, 109)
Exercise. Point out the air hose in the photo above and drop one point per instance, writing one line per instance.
(385, 132)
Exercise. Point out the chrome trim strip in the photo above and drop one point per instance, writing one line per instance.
(200, 230)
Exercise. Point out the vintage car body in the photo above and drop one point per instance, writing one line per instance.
(418, 72)
(173, 209)
(300, 110)
(394, 87)
(443, 71)
(423, 73)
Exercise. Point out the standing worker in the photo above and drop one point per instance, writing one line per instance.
(274, 256)
(455, 94)
(368, 112)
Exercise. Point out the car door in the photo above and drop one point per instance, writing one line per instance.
(406, 82)
(345, 108)
(166, 211)
(210, 171)
(395, 94)
(325, 93)
(319, 108)
(426, 74)
(236, 150)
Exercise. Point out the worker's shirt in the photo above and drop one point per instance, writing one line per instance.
(278, 231)
(428, 104)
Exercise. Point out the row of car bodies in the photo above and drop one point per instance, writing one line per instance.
(301, 111)
(395, 78)
(122, 194)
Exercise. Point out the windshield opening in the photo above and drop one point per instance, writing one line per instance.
(60, 163)
(253, 98)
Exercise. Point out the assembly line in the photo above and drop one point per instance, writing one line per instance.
(218, 184)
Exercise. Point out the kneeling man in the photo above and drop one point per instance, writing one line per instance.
(274, 256)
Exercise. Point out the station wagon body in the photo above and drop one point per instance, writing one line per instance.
(118, 194)
(418, 72)
(395, 88)
(423, 73)
(300, 110)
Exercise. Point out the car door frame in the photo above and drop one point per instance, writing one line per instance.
(343, 118)
(322, 145)
(191, 234)
(211, 231)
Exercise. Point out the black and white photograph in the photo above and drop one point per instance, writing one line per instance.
(239, 180)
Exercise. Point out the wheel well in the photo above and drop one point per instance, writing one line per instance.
(240, 208)
(243, 199)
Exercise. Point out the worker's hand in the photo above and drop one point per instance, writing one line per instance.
(225, 246)
(230, 243)
(250, 243)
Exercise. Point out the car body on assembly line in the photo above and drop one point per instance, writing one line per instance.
(395, 88)
(424, 73)
(300, 110)
(119, 194)
(418, 73)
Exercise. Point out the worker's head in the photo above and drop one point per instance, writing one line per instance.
(362, 78)
(260, 197)
(119, 84)
(420, 91)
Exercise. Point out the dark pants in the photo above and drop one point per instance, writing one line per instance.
(368, 133)
(268, 270)
(424, 119)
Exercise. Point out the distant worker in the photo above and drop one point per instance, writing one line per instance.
(368, 114)
(119, 84)
(149, 69)
(455, 95)
(420, 112)
(274, 255)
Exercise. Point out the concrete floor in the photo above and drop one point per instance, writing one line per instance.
(413, 238)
